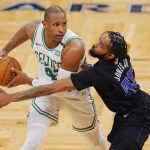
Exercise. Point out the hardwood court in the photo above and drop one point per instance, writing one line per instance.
(89, 25)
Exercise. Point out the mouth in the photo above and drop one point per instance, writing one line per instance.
(59, 36)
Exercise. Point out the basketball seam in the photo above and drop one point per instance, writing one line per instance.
(17, 63)
(5, 71)
(14, 60)
(13, 65)
(3, 60)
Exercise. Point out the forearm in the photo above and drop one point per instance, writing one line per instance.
(58, 86)
(29, 94)
(20, 37)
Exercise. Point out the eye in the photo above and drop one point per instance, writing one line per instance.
(64, 24)
(55, 24)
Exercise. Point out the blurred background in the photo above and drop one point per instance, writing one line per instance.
(89, 19)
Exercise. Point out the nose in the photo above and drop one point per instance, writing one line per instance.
(94, 45)
(61, 29)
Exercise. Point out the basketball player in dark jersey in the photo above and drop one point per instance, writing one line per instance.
(113, 78)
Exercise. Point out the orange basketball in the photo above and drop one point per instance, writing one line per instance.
(5, 66)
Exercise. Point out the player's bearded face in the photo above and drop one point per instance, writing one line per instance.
(93, 53)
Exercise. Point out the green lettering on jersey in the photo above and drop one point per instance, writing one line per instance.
(41, 57)
(51, 66)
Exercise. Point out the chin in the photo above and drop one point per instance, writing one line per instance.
(57, 40)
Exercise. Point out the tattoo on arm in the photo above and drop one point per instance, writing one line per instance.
(30, 93)
(57, 86)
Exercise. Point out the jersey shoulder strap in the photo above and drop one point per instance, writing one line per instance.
(37, 34)
(69, 35)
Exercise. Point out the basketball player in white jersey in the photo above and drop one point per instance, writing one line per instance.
(60, 52)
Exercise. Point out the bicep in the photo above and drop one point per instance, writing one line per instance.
(72, 55)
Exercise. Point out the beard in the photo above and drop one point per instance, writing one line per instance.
(95, 55)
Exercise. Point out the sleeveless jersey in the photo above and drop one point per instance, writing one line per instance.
(49, 59)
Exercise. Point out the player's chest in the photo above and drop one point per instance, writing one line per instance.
(48, 55)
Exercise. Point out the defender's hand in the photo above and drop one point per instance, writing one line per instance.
(4, 98)
(20, 79)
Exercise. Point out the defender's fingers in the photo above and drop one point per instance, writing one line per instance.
(11, 83)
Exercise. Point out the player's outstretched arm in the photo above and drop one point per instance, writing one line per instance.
(58, 86)
(23, 34)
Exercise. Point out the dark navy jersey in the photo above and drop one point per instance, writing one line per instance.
(115, 83)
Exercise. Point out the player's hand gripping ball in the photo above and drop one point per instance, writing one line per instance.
(6, 63)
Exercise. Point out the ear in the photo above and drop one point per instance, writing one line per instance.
(44, 23)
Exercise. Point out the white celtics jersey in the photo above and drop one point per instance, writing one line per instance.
(49, 59)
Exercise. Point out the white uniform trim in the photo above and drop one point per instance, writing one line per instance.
(63, 73)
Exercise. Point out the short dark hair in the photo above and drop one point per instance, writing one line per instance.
(118, 45)
(53, 9)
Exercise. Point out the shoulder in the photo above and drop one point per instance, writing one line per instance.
(77, 43)
(72, 54)
(71, 36)
(75, 47)
(101, 67)
(73, 42)
(31, 26)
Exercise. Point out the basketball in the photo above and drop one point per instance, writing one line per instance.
(6, 63)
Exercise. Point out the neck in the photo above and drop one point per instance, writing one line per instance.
(50, 43)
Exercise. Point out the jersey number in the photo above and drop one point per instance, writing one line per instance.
(50, 73)
(129, 84)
